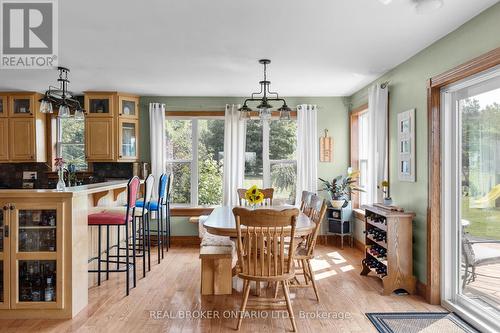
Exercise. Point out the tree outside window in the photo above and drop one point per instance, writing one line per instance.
(71, 142)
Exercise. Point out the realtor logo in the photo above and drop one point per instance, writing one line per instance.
(28, 34)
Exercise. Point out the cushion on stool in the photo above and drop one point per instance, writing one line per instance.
(123, 210)
(107, 218)
(153, 205)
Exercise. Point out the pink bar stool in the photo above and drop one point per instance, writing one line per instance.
(108, 219)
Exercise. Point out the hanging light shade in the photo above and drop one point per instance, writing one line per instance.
(64, 111)
(285, 112)
(79, 114)
(46, 106)
(245, 111)
(264, 107)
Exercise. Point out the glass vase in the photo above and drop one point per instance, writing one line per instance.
(61, 186)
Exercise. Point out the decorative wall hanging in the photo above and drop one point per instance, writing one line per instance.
(325, 148)
(406, 146)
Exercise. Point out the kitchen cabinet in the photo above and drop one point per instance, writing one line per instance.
(22, 128)
(31, 253)
(4, 110)
(4, 139)
(99, 139)
(112, 127)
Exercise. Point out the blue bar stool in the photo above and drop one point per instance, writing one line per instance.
(159, 206)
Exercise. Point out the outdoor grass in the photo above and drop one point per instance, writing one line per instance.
(484, 222)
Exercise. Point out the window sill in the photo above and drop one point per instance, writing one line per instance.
(359, 213)
(190, 211)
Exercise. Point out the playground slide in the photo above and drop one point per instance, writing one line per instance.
(488, 201)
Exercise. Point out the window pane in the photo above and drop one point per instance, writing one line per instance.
(181, 187)
(282, 139)
(253, 154)
(72, 142)
(283, 179)
(210, 158)
(179, 139)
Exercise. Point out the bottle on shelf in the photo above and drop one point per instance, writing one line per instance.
(49, 291)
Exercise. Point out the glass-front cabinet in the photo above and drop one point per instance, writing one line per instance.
(99, 105)
(128, 107)
(22, 105)
(127, 139)
(33, 257)
(3, 106)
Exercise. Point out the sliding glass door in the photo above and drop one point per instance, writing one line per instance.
(471, 199)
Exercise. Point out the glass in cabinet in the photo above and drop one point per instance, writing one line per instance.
(3, 106)
(37, 230)
(99, 105)
(21, 106)
(128, 139)
(37, 281)
(128, 107)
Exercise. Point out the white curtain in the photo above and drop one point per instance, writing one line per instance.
(307, 150)
(234, 153)
(157, 140)
(377, 141)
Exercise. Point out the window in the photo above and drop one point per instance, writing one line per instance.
(359, 152)
(71, 143)
(270, 157)
(194, 157)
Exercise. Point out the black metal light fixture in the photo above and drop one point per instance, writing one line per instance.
(264, 107)
(60, 97)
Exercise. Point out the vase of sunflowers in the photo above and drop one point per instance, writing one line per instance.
(254, 197)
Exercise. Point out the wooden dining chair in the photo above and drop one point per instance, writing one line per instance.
(305, 202)
(305, 252)
(261, 251)
(267, 192)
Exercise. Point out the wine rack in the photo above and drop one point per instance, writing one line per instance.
(388, 254)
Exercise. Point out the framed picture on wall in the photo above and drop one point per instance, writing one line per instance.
(406, 146)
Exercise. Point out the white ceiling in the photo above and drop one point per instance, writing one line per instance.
(210, 48)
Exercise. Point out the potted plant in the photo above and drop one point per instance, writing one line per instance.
(385, 190)
(340, 188)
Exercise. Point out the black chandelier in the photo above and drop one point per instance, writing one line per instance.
(60, 97)
(264, 107)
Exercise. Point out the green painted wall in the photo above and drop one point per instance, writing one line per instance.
(332, 115)
(408, 83)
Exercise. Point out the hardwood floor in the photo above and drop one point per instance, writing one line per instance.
(174, 286)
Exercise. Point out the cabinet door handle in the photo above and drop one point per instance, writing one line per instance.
(12, 207)
(6, 231)
(5, 207)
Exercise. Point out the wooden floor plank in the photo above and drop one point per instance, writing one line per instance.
(174, 286)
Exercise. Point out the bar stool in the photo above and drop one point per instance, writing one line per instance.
(157, 206)
(118, 219)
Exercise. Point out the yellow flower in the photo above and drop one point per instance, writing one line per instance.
(253, 195)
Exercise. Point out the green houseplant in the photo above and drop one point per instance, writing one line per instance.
(341, 187)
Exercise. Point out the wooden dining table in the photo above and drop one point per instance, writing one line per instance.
(221, 221)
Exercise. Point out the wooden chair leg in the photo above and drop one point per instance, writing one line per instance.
(246, 293)
(289, 305)
(309, 268)
(276, 287)
(305, 271)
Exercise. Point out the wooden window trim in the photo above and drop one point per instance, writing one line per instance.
(472, 67)
(190, 211)
(353, 150)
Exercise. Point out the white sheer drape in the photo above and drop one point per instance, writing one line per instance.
(157, 139)
(377, 141)
(234, 153)
(307, 150)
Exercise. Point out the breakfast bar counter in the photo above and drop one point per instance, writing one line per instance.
(45, 244)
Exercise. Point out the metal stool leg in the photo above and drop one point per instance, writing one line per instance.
(148, 226)
(99, 256)
(118, 248)
(133, 250)
(143, 234)
(158, 234)
(168, 222)
(127, 259)
(160, 211)
(107, 252)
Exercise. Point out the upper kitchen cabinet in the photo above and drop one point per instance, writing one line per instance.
(22, 105)
(128, 106)
(112, 124)
(4, 110)
(22, 128)
(100, 104)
